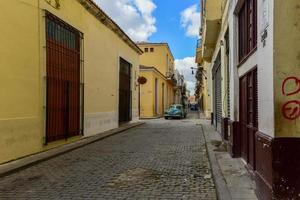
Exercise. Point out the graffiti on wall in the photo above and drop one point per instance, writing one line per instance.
(291, 87)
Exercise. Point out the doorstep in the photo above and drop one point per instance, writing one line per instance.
(19, 164)
(232, 179)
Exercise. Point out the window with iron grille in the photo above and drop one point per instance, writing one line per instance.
(64, 73)
(247, 18)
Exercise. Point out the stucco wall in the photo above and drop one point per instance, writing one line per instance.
(22, 72)
(165, 97)
(158, 58)
(287, 68)
(262, 58)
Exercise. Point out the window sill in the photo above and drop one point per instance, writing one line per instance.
(247, 57)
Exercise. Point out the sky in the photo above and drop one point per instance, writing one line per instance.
(174, 21)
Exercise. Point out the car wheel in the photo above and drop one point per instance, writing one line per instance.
(166, 118)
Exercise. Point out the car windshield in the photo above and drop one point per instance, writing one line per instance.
(175, 107)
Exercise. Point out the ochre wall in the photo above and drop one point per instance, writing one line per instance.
(158, 58)
(147, 109)
(22, 72)
(147, 95)
(287, 68)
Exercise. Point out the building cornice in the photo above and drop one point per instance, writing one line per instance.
(97, 12)
(156, 44)
(148, 68)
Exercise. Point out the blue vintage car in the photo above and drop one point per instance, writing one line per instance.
(175, 111)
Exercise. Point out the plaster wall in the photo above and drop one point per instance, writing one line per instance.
(262, 58)
(287, 68)
(23, 71)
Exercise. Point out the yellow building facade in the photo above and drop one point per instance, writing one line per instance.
(99, 57)
(157, 66)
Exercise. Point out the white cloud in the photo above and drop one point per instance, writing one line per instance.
(184, 67)
(190, 20)
(135, 17)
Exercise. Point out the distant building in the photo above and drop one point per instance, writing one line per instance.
(157, 66)
(67, 71)
(180, 88)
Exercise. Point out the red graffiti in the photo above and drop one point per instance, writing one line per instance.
(287, 81)
(291, 110)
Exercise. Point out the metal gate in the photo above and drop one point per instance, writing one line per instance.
(249, 115)
(63, 80)
(217, 92)
(125, 91)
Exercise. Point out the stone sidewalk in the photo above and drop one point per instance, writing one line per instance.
(231, 178)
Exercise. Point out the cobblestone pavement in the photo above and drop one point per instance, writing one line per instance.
(163, 159)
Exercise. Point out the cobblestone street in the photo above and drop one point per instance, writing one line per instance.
(163, 159)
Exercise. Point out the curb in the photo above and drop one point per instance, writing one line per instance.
(219, 180)
(22, 163)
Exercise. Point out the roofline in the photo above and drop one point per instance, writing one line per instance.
(157, 43)
(99, 14)
(143, 67)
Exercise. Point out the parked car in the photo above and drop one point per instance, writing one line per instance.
(176, 111)
(194, 107)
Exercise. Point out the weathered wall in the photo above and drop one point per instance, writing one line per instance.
(287, 68)
(22, 72)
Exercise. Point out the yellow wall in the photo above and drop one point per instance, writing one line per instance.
(22, 71)
(287, 68)
(147, 95)
(165, 97)
(158, 58)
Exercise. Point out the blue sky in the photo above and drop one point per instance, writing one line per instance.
(169, 27)
(174, 21)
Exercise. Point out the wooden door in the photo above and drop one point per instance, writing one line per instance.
(124, 91)
(252, 117)
(63, 80)
(248, 116)
(243, 118)
(163, 98)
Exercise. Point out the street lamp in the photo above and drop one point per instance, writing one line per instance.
(202, 73)
(192, 68)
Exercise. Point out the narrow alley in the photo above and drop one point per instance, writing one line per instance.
(162, 159)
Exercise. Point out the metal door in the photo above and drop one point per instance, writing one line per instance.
(218, 96)
(217, 93)
(124, 91)
(63, 80)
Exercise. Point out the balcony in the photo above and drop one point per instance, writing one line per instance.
(199, 51)
(211, 26)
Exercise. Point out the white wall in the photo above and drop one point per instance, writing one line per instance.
(263, 59)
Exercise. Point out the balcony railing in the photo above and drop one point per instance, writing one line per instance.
(199, 43)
